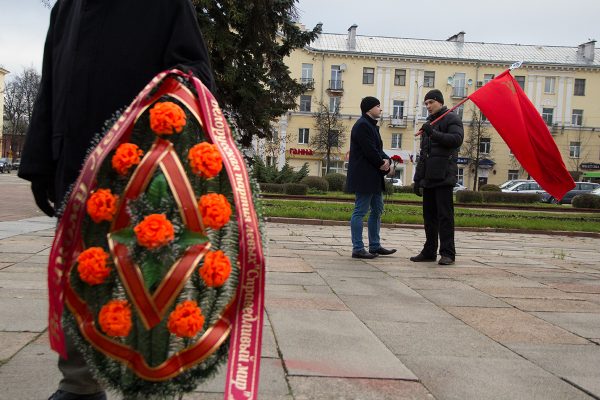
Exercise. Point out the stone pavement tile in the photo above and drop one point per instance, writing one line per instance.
(395, 308)
(352, 273)
(482, 282)
(26, 266)
(269, 345)
(12, 342)
(431, 339)
(529, 293)
(18, 280)
(310, 302)
(294, 278)
(311, 388)
(303, 250)
(557, 305)
(333, 344)
(4, 265)
(465, 297)
(457, 272)
(19, 293)
(508, 325)
(19, 315)
(432, 283)
(38, 258)
(578, 364)
(15, 257)
(272, 385)
(583, 287)
(287, 264)
(586, 325)
(591, 297)
(370, 287)
(461, 378)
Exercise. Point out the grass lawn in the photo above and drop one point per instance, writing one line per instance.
(409, 214)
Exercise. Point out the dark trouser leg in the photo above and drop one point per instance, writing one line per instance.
(77, 377)
(430, 220)
(445, 208)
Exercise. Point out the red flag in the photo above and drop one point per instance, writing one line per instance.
(508, 109)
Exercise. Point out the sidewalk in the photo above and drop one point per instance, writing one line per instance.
(518, 317)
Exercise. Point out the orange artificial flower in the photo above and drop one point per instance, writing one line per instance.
(215, 210)
(126, 156)
(167, 118)
(115, 318)
(154, 231)
(216, 268)
(205, 160)
(186, 320)
(102, 205)
(92, 266)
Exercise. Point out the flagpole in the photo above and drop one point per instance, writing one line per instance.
(460, 103)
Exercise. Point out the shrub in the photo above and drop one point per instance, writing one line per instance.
(295, 188)
(505, 197)
(336, 181)
(271, 187)
(270, 173)
(389, 188)
(403, 189)
(316, 182)
(586, 201)
(489, 188)
(469, 196)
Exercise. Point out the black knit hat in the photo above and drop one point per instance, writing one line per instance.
(367, 103)
(436, 95)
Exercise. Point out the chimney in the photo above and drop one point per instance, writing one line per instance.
(459, 37)
(587, 51)
(352, 37)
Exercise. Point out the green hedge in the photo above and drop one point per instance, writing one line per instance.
(295, 188)
(316, 183)
(271, 187)
(469, 196)
(336, 181)
(403, 189)
(488, 187)
(586, 201)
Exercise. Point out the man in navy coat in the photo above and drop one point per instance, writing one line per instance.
(367, 166)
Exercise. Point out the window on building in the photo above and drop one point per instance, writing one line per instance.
(400, 77)
(270, 161)
(334, 167)
(520, 80)
(485, 145)
(305, 101)
(548, 115)
(574, 149)
(368, 76)
(303, 135)
(429, 79)
(460, 176)
(459, 89)
(398, 109)
(460, 110)
(336, 77)
(577, 118)
(424, 112)
(396, 141)
(334, 104)
(579, 87)
(513, 174)
(487, 78)
(307, 74)
(549, 84)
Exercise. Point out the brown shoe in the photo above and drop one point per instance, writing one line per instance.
(422, 258)
(446, 261)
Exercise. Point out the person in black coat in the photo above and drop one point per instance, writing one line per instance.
(98, 56)
(435, 177)
(367, 166)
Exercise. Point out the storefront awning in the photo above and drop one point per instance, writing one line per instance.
(594, 174)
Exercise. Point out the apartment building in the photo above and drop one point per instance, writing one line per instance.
(3, 72)
(338, 70)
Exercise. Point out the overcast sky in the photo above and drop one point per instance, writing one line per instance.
(23, 23)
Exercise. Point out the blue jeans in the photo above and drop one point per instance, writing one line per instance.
(361, 207)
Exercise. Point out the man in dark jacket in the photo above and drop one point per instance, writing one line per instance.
(98, 56)
(435, 178)
(367, 166)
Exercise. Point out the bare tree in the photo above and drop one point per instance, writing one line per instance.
(329, 132)
(579, 153)
(272, 146)
(471, 147)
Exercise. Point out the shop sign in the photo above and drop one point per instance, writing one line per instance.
(302, 152)
(589, 165)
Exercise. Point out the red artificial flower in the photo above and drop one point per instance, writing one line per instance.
(216, 268)
(186, 320)
(92, 267)
(115, 318)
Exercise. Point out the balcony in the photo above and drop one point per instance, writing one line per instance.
(336, 86)
(459, 92)
(308, 83)
(398, 121)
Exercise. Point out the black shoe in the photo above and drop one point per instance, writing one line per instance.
(446, 261)
(62, 395)
(382, 251)
(363, 254)
(422, 258)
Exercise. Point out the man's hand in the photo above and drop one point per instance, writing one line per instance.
(427, 129)
(386, 165)
(43, 194)
(417, 190)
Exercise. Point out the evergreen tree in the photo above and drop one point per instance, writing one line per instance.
(248, 41)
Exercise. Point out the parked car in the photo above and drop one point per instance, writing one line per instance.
(397, 182)
(5, 165)
(511, 182)
(458, 187)
(580, 188)
(596, 191)
(524, 187)
(16, 163)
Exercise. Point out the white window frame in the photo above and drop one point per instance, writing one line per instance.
(398, 109)
(548, 115)
(396, 141)
(487, 78)
(399, 79)
(577, 118)
(485, 146)
(429, 81)
(369, 74)
(549, 84)
(517, 78)
(334, 167)
(460, 176)
(458, 87)
(304, 100)
(303, 135)
(333, 102)
(513, 174)
(574, 149)
(575, 92)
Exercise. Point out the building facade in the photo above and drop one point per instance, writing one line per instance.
(3, 73)
(340, 69)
